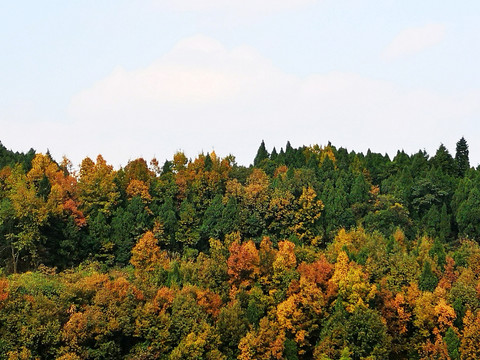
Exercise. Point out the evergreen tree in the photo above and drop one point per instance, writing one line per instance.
(444, 227)
(419, 164)
(70, 247)
(428, 280)
(100, 243)
(211, 226)
(262, 154)
(127, 226)
(291, 350)
(343, 211)
(342, 158)
(461, 157)
(280, 160)
(167, 167)
(230, 217)
(123, 224)
(401, 160)
(430, 221)
(274, 154)
(359, 192)
(367, 334)
(327, 170)
(453, 344)
(438, 251)
(468, 215)
(377, 166)
(460, 310)
(208, 163)
(334, 333)
(443, 160)
(312, 163)
(8, 157)
(289, 155)
(169, 218)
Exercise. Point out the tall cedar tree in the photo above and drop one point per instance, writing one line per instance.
(461, 157)
(262, 154)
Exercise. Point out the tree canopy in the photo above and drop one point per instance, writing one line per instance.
(313, 252)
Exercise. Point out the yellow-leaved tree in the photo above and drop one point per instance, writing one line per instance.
(147, 256)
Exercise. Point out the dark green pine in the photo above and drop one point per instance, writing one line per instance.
(461, 157)
(262, 154)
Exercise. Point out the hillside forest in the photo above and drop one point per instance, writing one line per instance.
(314, 252)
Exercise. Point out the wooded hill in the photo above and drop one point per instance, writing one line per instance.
(311, 252)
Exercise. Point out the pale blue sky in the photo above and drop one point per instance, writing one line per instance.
(149, 77)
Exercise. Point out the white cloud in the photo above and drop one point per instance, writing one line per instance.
(204, 96)
(413, 40)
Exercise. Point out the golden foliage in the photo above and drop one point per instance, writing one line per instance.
(469, 349)
(266, 343)
(139, 188)
(147, 256)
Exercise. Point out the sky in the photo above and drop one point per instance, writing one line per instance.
(148, 78)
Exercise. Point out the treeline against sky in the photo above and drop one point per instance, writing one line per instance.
(311, 252)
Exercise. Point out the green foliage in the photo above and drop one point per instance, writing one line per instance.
(453, 344)
(188, 233)
(345, 354)
(462, 161)
(468, 214)
(444, 161)
(366, 334)
(10, 158)
(262, 154)
(290, 350)
(428, 280)
(232, 326)
(212, 226)
(444, 227)
(438, 251)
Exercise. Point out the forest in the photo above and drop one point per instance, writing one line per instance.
(315, 252)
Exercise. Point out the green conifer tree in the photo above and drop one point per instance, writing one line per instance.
(274, 154)
(453, 344)
(438, 250)
(262, 154)
(461, 157)
(443, 160)
(428, 280)
(444, 227)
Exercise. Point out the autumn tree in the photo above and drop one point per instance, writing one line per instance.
(147, 256)
(306, 217)
(266, 343)
(255, 202)
(243, 263)
(22, 214)
(470, 336)
(97, 190)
